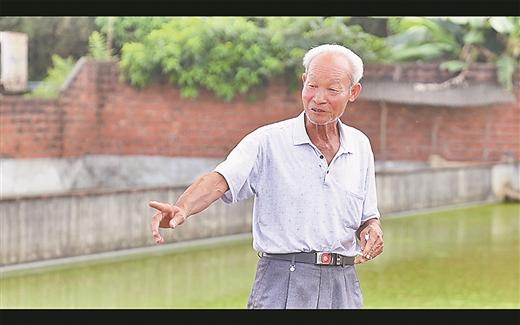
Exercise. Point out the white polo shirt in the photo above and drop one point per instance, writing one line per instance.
(302, 204)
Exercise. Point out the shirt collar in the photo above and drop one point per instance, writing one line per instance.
(300, 135)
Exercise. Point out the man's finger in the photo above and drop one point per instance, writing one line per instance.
(359, 259)
(164, 207)
(177, 219)
(368, 245)
(156, 220)
(378, 248)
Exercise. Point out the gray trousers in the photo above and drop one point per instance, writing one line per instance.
(307, 286)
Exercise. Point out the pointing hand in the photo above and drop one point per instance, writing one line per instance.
(166, 216)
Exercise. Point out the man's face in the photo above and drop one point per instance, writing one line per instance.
(327, 88)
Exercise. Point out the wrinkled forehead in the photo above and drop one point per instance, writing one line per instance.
(329, 77)
(330, 67)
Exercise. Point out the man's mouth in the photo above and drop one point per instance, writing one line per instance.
(317, 110)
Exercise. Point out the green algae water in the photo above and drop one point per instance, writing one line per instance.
(461, 258)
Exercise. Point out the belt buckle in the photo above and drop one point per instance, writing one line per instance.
(324, 258)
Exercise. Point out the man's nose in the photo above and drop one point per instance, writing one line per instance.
(319, 96)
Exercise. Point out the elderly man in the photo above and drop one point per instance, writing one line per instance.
(312, 177)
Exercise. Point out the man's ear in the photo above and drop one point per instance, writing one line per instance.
(355, 91)
(304, 76)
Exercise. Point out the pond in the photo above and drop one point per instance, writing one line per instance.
(460, 258)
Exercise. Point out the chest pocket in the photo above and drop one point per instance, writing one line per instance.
(349, 176)
(353, 209)
(349, 179)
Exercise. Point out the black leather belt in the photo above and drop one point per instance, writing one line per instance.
(320, 258)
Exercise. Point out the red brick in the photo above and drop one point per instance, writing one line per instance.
(114, 118)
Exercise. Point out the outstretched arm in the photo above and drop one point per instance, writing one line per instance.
(197, 197)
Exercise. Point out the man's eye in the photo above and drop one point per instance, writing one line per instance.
(334, 90)
(312, 86)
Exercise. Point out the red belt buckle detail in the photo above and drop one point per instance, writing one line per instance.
(324, 258)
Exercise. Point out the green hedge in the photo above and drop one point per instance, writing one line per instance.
(230, 55)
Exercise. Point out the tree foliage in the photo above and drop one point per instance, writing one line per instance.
(293, 36)
(64, 36)
(56, 75)
(218, 53)
(97, 47)
(230, 55)
(224, 55)
(458, 42)
(128, 29)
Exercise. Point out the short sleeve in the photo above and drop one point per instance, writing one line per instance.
(238, 169)
(370, 210)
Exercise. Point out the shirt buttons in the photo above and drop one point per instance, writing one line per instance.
(321, 156)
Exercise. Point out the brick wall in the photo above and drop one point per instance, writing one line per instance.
(30, 128)
(457, 134)
(98, 114)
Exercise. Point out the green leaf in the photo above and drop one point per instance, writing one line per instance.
(415, 34)
(477, 22)
(453, 65)
(189, 92)
(505, 70)
(460, 20)
(420, 52)
(56, 76)
(474, 37)
(501, 24)
(97, 47)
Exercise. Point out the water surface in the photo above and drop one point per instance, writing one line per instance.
(461, 258)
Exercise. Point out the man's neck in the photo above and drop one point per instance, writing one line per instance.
(323, 134)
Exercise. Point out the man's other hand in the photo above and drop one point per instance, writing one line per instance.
(371, 241)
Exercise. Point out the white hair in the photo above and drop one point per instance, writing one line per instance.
(356, 64)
